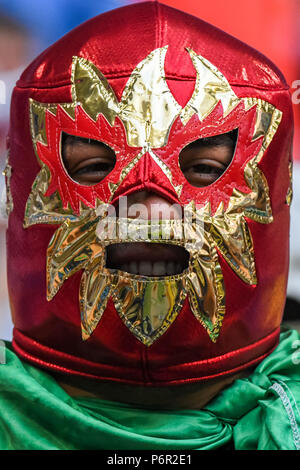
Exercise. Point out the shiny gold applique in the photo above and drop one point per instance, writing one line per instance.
(147, 107)
(205, 285)
(79, 245)
(211, 88)
(148, 306)
(38, 118)
(227, 231)
(72, 247)
(41, 209)
(289, 195)
(9, 200)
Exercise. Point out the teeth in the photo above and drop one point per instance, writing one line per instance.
(147, 268)
(170, 268)
(125, 268)
(159, 268)
(133, 267)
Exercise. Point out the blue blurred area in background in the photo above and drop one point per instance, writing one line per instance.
(48, 20)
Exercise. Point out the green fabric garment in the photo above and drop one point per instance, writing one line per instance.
(258, 412)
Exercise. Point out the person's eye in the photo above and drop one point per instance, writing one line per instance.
(86, 161)
(203, 161)
(203, 174)
(93, 172)
(205, 169)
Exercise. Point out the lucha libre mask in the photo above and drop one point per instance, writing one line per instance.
(147, 80)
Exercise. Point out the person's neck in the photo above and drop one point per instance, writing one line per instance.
(188, 396)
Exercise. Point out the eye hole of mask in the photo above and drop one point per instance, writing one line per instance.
(86, 161)
(203, 161)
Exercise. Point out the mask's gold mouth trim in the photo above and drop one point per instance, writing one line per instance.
(147, 259)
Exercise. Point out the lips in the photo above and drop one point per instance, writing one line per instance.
(147, 259)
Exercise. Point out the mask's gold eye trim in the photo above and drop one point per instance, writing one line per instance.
(86, 161)
(205, 160)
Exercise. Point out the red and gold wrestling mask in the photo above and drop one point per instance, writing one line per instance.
(147, 81)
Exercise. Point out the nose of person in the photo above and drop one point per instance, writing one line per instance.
(151, 206)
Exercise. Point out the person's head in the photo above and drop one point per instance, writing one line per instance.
(147, 107)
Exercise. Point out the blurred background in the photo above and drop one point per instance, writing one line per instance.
(272, 26)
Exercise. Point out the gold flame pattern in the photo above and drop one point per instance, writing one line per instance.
(148, 306)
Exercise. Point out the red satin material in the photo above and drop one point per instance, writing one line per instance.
(49, 333)
(177, 374)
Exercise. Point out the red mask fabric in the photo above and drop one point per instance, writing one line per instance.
(147, 80)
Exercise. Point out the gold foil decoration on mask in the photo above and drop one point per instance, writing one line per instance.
(38, 119)
(147, 107)
(228, 233)
(91, 89)
(7, 172)
(71, 248)
(257, 205)
(74, 247)
(148, 306)
(289, 194)
(211, 87)
(206, 293)
(41, 209)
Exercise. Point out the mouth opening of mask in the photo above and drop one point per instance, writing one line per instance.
(147, 259)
